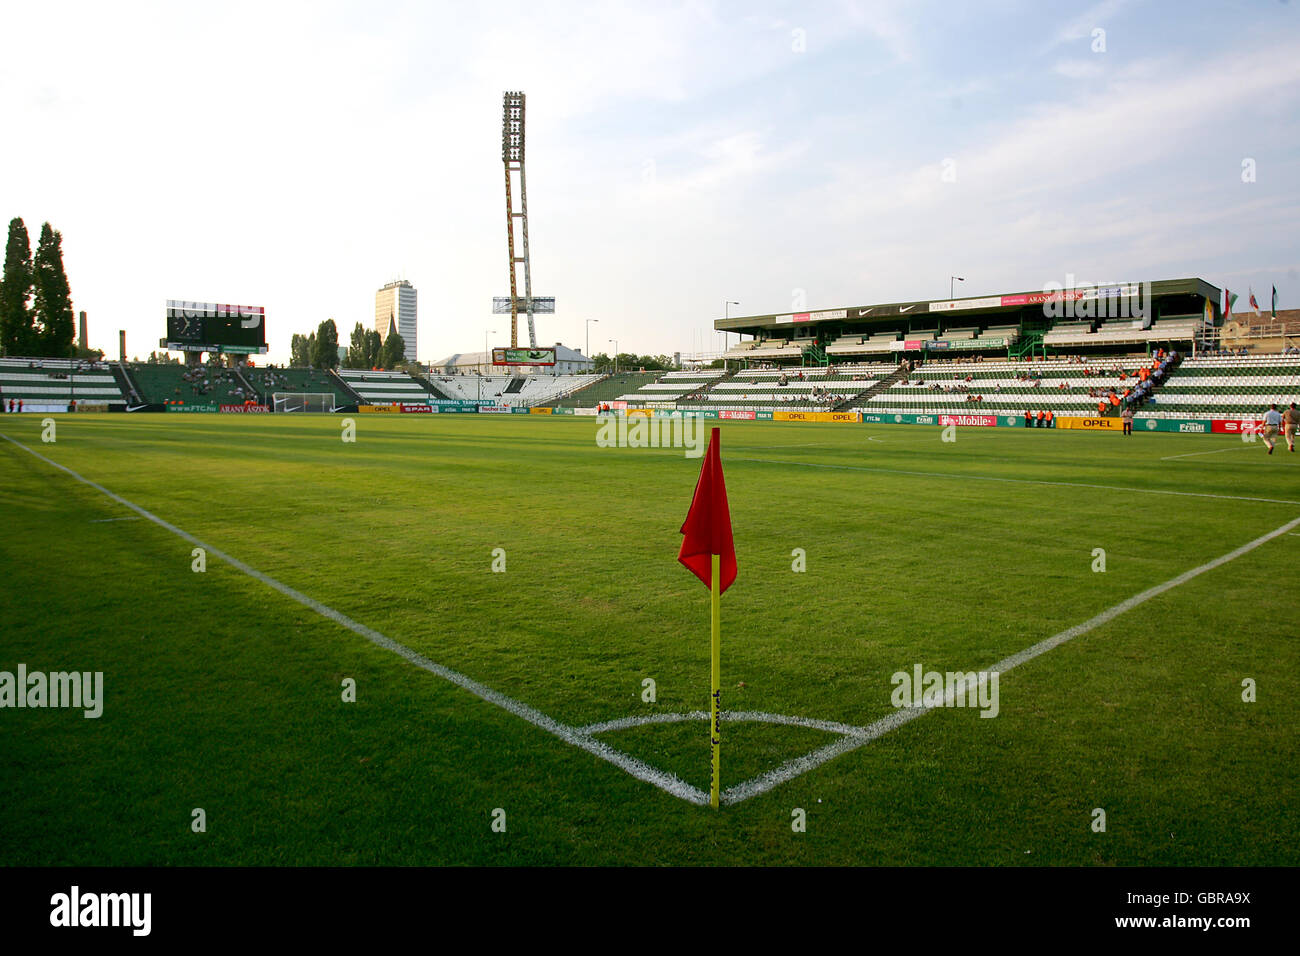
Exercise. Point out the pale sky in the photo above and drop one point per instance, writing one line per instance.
(298, 156)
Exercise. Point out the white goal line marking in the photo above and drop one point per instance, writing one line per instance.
(582, 737)
(667, 782)
(1016, 481)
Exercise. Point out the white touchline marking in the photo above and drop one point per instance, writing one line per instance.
(805, 444)
(1217, 451)
(895, 441)
(102, 520)
(570, 735)
(1018, 481)
(801, 765)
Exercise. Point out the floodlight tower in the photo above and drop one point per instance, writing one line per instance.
(512, 155)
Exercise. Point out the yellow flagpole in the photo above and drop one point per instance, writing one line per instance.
(715, 735)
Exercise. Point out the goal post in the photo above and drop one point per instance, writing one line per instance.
(302, 402)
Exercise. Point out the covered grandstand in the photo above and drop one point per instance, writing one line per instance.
(1098, 319)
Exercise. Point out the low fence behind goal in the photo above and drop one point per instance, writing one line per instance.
(302, 402)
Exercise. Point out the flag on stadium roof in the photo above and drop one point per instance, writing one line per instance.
(1228, 299)
(1253, 304)
(1274, 303)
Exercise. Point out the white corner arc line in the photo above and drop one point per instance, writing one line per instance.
(801, 765)
(667, 782)
(728, 716)
(1017, 481)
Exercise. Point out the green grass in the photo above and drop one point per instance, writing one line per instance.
(223, 694)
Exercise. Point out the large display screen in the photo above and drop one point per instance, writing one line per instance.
(215, 327)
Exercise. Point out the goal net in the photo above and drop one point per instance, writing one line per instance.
(302, 402)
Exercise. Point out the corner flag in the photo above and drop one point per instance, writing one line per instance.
(709, 552)
(707, 528)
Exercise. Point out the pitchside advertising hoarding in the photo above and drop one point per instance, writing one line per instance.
(1090, 424)
(215, 327)
(1233, 426)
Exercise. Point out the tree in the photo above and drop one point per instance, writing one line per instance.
(299, 356)
(394, 351)
(325, 349)
(17, 336)
(374, 348)
(52, 303)
(311, 351)
(357, 350)
(601, 362)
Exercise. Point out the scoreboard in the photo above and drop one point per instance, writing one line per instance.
(215, 327)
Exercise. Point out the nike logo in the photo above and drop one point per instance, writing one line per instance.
(135, 408)
(909, 307)
(863, 311)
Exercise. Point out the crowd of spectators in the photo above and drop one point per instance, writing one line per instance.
(212, 377)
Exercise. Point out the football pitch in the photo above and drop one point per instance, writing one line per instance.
(530, 663)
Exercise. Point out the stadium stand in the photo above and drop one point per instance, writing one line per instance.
(202, 384)
(268, 381)
(46, 384)
(879, 342)
(1068, 386)
(768, 349)
(387, 388)
(603, 389)
(527, 390)
(671, 387)
(1239, 387)
(795, 388)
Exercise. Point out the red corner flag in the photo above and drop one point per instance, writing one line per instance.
(707, 528)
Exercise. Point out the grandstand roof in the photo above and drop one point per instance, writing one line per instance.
(963, 309)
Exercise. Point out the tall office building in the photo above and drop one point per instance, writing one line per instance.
(395, 306)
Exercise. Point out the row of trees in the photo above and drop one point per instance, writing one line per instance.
(35, 300)
(651, 363)
(320, 349)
